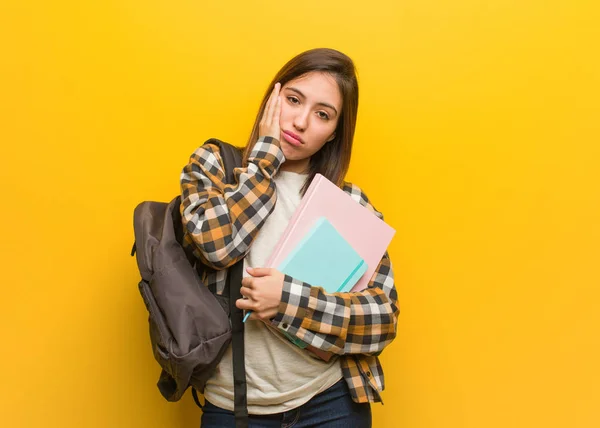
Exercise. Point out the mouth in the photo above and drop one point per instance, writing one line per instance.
(292, 138)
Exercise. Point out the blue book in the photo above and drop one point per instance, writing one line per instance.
(324, 258)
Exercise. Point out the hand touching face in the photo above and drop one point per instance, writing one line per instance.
(269, 123)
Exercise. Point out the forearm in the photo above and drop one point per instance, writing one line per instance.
(342, 323)
(222, 220)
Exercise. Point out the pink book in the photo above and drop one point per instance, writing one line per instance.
(365, 232)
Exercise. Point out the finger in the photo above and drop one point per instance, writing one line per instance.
(248, 282)
(277, 110)
(245, 304)
(276, 104)
(246, 292)
(259, 272)
(269, 106)
(273, 105)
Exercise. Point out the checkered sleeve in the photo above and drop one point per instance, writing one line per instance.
(221, 220)
(361, 322)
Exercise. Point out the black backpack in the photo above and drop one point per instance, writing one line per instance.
(190, 326)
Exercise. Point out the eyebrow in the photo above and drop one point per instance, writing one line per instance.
(320, 103)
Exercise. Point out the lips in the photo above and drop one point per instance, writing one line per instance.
(292, 138)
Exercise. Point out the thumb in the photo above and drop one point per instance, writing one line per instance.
(259, 272)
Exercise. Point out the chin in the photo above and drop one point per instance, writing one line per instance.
(288, 151)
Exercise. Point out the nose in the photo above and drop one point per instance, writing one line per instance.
(301, 120)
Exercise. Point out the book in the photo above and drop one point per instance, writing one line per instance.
(324, 258)
(360, 227)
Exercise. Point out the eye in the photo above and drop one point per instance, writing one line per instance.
(323, 115)
(293, 99)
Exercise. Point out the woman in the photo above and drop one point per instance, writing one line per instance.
(305, 126)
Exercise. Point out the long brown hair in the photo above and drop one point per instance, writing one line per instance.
(333, 159)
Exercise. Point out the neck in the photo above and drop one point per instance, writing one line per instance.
(297, 166)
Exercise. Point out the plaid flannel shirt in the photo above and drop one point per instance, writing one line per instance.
(221, 221)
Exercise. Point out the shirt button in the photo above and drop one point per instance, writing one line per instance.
(368, 374)
(285, 326)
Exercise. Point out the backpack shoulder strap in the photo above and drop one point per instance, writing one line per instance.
(232, 158)
(240, 400)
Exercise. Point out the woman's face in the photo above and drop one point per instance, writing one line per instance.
(310, 109)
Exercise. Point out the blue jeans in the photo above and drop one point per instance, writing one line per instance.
(333, 408)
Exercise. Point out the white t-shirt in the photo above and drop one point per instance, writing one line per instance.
(280, 375)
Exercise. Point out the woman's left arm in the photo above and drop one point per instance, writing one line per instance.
(342, 323)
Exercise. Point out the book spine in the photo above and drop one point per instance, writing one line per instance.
(353, 275)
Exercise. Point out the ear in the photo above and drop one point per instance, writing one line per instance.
(332, 137)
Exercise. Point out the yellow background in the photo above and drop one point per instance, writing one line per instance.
(478, 137)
